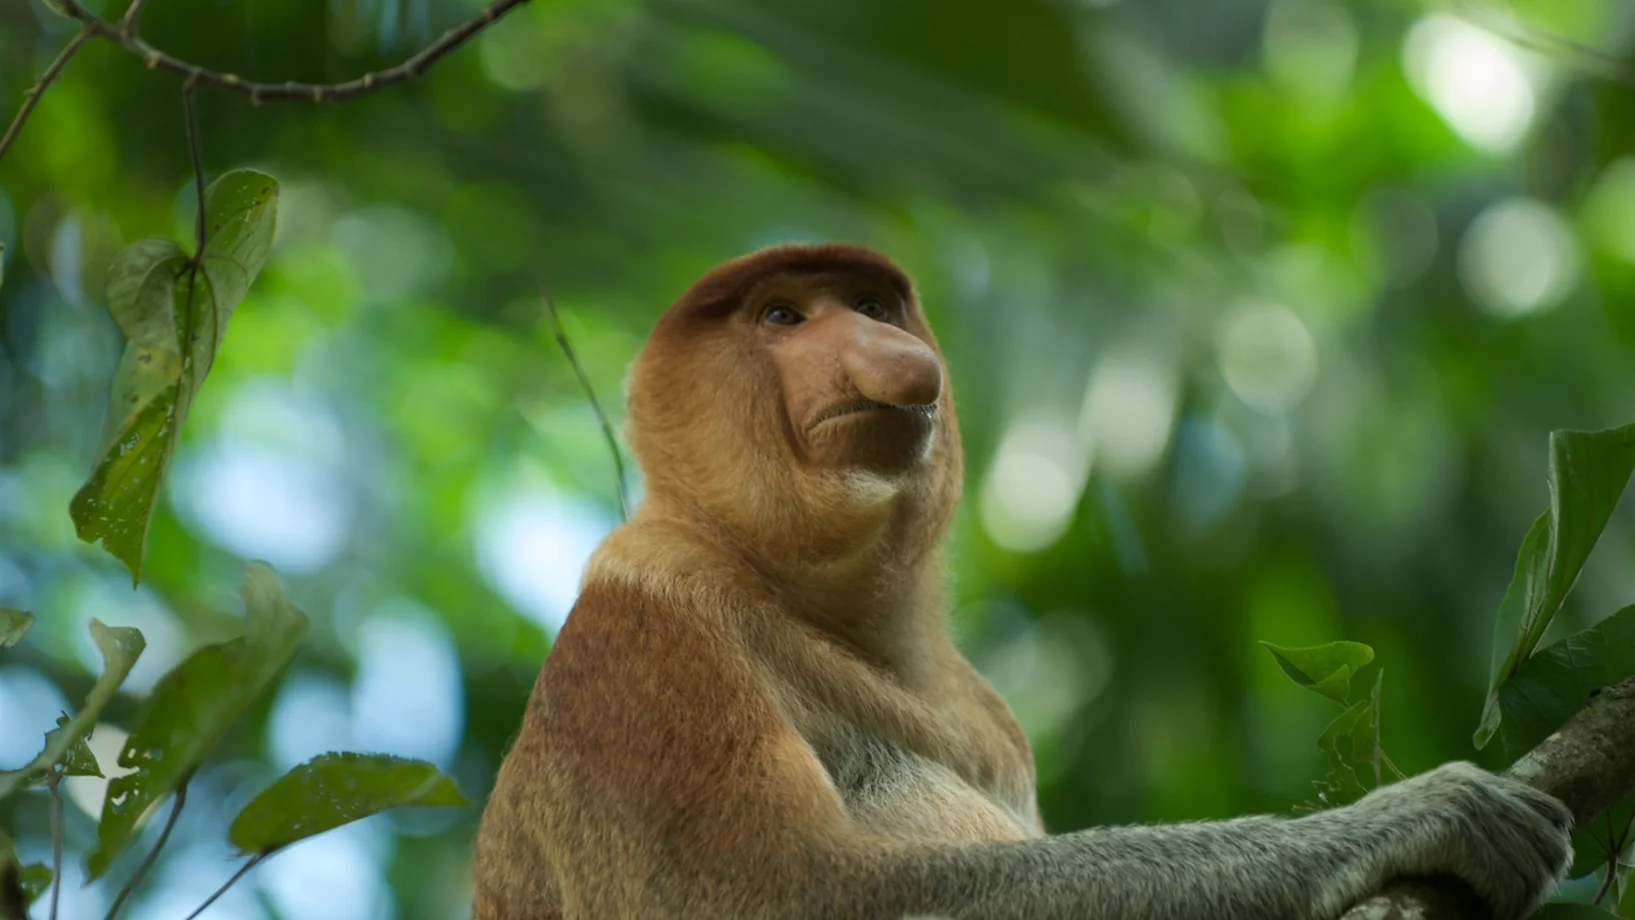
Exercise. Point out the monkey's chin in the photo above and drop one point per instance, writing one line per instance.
(885, 441)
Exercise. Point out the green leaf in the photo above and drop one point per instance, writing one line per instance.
(1588, 473)
(335, 789)
(241, 218)
(36, 881)
(173, 319)
(141, 298)
(1350, 740)
(1593, 843)
(120, 647)
(78, 759)
(1554, 684)
(19, 885)
(1323, 669)
(13, 623)
(192, 708)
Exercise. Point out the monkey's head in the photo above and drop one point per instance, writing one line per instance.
(799, 388)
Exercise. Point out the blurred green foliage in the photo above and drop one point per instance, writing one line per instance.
(1258, 311)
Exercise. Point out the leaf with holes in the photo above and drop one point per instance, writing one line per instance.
(35, 880)
(1350, 740)
(192, 708)
(1323, 669)
(1588, 473)
(78, 759)
(334, 789)
(120, 647)
(173, 319)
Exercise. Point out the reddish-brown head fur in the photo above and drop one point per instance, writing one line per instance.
(833, 431)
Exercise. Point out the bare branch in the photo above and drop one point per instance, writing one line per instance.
(32, 97)
(1589, 765)
(152, 855)
(126, 36)
(249, 864)
(132, 14)
(590, 394)
(54, 783)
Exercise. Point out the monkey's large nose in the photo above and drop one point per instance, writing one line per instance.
(889, 365)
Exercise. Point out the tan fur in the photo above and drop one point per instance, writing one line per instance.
(754, 712)
(762, 627)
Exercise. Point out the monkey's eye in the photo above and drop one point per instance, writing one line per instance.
(870, 307)
(781, 315)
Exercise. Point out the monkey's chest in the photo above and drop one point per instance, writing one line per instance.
(900, 794)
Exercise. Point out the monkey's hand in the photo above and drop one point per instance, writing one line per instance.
(1509, 842)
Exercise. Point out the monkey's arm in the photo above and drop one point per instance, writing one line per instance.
(669, 785)
(1311, 868)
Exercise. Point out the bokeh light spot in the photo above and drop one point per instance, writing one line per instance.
(1267, 357)
(1034, 483)
(1475, 80)
(1518, 257)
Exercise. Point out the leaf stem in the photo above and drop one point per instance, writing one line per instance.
(190, 113)
(153, 854)
(590, 394)
(54, 783)
(251, 864)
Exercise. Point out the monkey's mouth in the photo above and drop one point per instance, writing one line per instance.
(868, 405)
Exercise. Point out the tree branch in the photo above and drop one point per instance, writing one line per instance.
(153, 854)
(125, 35)
(1589, 765)
(32, 97)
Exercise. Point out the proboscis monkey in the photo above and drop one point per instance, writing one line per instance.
(754, 712)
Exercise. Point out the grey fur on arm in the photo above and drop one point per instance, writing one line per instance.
(1509, 842)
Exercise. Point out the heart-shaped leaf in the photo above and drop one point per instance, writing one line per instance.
(192, 707)
(1588, 473)
(335, 789)
(1323, 669)
(173, 318)
(120, 646)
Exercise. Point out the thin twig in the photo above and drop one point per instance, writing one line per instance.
(153, 854)
(590, 394)
(132, 14)
(32, 97)
(411, 68)
(191, 116)
(55, 784)
(251, 864)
